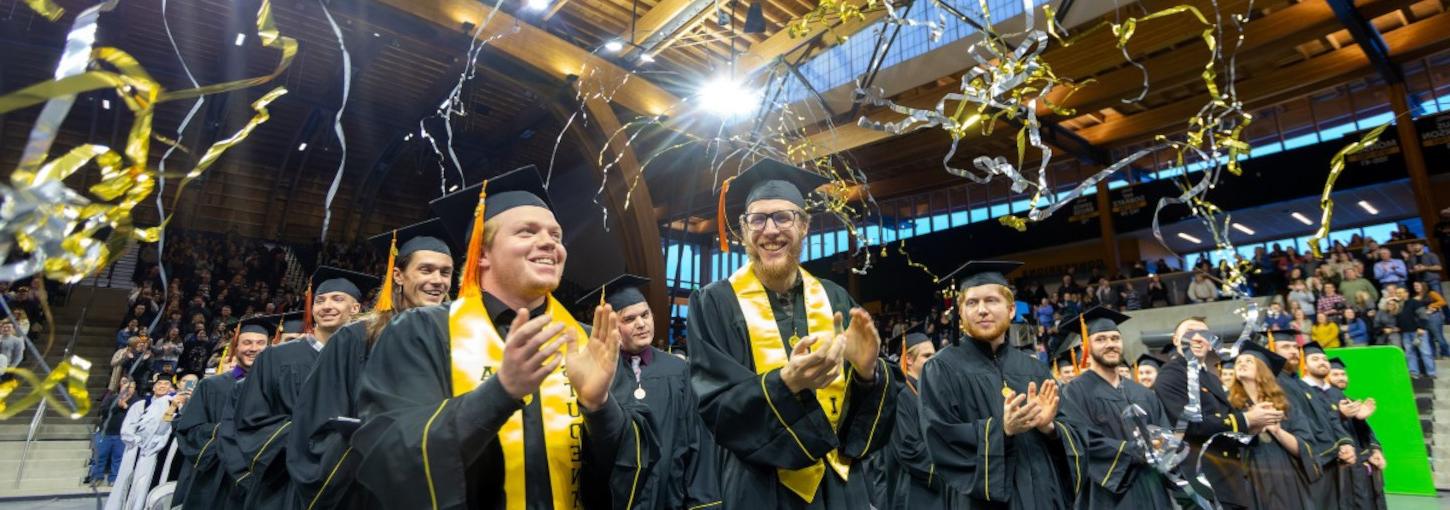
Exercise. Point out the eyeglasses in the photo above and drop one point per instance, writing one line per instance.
(782, 219)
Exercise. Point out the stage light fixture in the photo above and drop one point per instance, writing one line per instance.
(1190, 238)
(302, 147)
(1368, 207)
(241, 38)
(614, 46)
(1302, 219)
(1241, 228)
(538, 5)
(646, 58)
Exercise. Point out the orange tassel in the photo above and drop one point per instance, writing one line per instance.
(385, 296)
(469, 282)
(1135, 373)
(277, 336)
(307, 314)
(721, 225)
(1301, 361)
(1087, 342)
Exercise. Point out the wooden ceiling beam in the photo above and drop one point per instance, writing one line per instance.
(1406, 44)
(661, 23)
(781, 44)
(539, 49)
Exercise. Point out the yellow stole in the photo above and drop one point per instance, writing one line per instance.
(477, 352)
(769, 353)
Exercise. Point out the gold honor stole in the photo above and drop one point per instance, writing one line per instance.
(477, 352)
(768, 352)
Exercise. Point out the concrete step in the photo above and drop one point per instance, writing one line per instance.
(54, 487)
(48, 431)
(50, 450)
(74, 468)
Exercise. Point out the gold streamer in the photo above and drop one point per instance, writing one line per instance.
(46, 8)
(72, 373)
(1336, 166)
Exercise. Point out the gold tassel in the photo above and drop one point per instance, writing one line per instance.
(1087, 343)
(385, 296)
(722, 226)
(307, 313)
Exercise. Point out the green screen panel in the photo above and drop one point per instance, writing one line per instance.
(1381, 372)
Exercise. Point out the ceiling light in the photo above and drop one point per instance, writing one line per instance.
(1301, 218)
(1368, 208)
(614, 45)
(727, 98)
(645, 58)
(1190, 238)
(1241, 228)
(302, 147)
(106, 104)
(538, 5)
(241, 38)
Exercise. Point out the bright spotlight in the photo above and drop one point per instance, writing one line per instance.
(538, 5)
(728, 98)
(614, 45)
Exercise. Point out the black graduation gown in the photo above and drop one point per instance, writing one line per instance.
(264, 419)
(203, 484)
(1222, 466)
(318, 456)
(961, 414)
(233, 459)
(1118, 475)
(1357, 481)
(917, 485)
(760, 433)
(1276, 475)
(686, 476)
(409, 400)
(1324, 432)
(883, 469)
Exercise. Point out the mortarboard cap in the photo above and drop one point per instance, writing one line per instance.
(624, 290)
(1312, 347)
(1274, 361)
(1282, 335)
(520, 187)
(1064, 344)
(292, 322)
(1336, 363)
(1149, 359)
(771, 179)
(328, 279)
(982, 272)
(1099, 319)
(261, 324)
(915, 338)
(423, 236)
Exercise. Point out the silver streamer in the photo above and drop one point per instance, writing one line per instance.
(337, 121)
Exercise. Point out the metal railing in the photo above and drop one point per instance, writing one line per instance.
(42, 373)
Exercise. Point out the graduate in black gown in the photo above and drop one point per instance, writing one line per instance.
(1341, 412)
(1145, 370)
(292, 326)
(462, 404)
(989, 411)
(319, 456)
(269, 394)
(785, 364)
(687, 474)
(1364, 478)
(1063, 351)
(1329, 442)
(1117, 471)
(916, 484)
(200, 428)
(1277, 458)
(1223, 469)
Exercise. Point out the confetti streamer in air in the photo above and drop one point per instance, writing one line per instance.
(337, 121)
(1336, 166)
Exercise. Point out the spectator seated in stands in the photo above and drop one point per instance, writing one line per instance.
(1331, 304)
(1355, 331)
(1202, 290)
(1275, 319)
(12, 345)
(1156, 292)
(132, 328)
(1354, 283)
(133, 360)
(1325, 331)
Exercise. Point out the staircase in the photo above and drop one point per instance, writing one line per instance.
(57, 459)
(118, 275)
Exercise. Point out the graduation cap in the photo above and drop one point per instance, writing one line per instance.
(260, 324)
(520, 187)
(767, 179)
(1336, 363)
(982, 272)
(1274, 361)
(1093, 321)
(516, 188)
(1282, 335)
(1148, 359)
(1227, 362)
(1063, 348)
(328, 279)
(426, 235)
(292, 322)
(622, 291)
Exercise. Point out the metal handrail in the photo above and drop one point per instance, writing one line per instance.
(44, 372)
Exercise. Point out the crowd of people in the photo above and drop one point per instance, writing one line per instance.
(436, 396)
